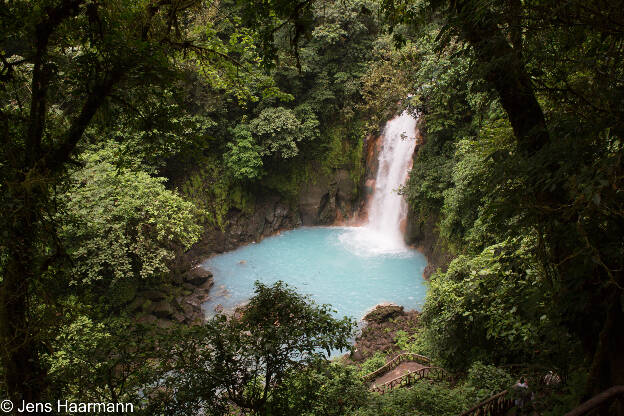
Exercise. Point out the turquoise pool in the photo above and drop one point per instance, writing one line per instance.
(346, 267)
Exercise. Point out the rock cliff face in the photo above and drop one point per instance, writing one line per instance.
(328, 199)
(324, 201)
(421, 232)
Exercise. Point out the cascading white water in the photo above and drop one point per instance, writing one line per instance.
(387, 209)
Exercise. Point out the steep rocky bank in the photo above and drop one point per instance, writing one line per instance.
(179, 302)
(421, 231)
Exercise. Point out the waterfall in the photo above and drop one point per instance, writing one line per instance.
(387, 209)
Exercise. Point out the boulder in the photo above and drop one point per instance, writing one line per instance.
(356, 355)
(179, 317)
(163, 309)
(190, 310)
(206, 286)
(383, 313)
(192, 300)
(197, 276)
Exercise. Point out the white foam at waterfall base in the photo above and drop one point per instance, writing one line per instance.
(365, 241)
(387, 209)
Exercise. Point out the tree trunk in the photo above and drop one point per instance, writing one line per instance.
(505, 71)
(25, 378)
(600, 402)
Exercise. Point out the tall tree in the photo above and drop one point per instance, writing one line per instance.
(61, 61)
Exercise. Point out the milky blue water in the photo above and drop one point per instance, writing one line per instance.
(320, 262)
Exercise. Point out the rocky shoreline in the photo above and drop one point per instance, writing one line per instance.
(180, 303)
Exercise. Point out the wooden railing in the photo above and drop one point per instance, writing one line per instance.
(500, 403)
(394, 363)
(496, 405)
(428, 373)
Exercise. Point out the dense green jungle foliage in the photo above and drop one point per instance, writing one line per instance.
(522, 172)
(129, 127)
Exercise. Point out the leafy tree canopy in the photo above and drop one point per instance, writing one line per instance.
(122, 224)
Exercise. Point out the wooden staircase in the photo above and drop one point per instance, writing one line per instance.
(394, 363)
(426, 373)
